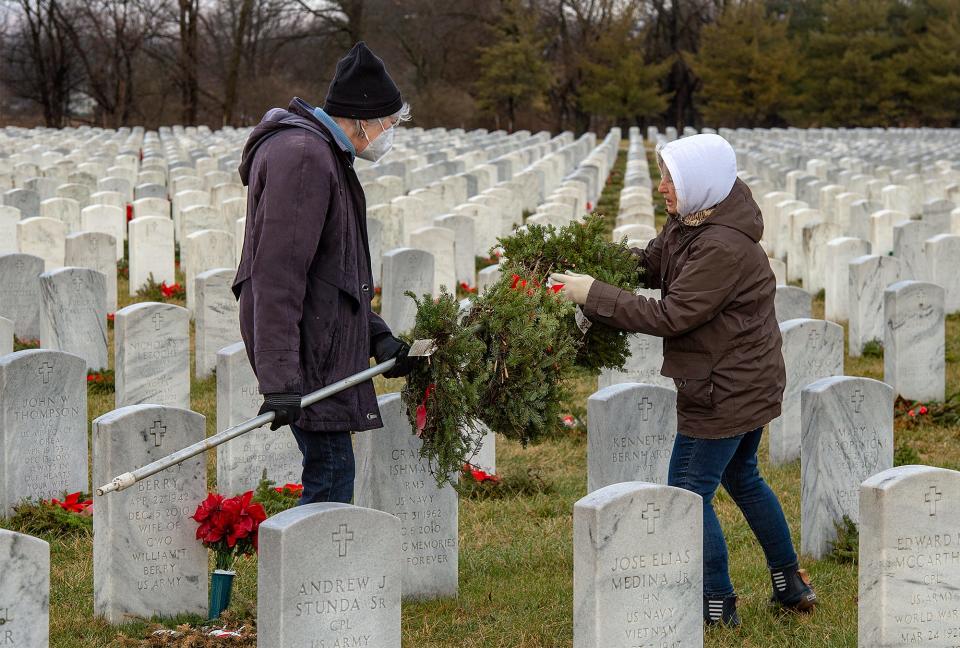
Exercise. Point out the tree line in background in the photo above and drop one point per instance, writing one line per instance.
(536, 64)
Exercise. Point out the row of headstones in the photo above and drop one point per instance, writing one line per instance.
(67, 309)
(443, 253)
(638, 562)
(846, 436)
(635, 216)
(146, 560)
(820, 251)
(334, 574)
(495, 201)
(205, 245)
(153, 157)
(917, 178)
(913, 332)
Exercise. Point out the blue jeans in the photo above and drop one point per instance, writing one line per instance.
(701, 465)
(328, 466)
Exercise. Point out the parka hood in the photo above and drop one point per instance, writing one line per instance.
(299, 114)
(703, 169)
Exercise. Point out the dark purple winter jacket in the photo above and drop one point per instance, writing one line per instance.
(304, 281)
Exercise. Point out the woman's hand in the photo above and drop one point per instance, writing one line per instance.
(576, 287)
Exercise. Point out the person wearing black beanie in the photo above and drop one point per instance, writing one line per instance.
(305, 281)
(361, 87)
(365, 103)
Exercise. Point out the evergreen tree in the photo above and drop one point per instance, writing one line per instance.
(852, 72)
(747, 68)
(514, 73)
(931, 66)
(617, 83)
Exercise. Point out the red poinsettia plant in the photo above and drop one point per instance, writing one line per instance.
(479, 476)
(229, 526)
(173, 291)
(290, 489)
(74, 503)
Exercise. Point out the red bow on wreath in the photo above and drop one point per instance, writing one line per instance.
(422, 410)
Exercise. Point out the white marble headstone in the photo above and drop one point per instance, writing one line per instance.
(630, 434)
(838, 254)
(439, 242)
(942, 254)
(204, 251)
(241, 462)
(914, 339)
(869, 276)
(638, 567)
(329, 574)
(464, 244)
(73, 314)
(9, 217)
(392, 477)
(108, 219)
(43, 426)
(45, 238)
(6, 336)
(404, 269)
(846, 436)
(812, 349)
(20, 293)
(24, 591)
(95, 250)
(152, 355)
(908, 246)
(909, 583)
(217, 318)
(151, 252)
(146, 559)
(792, 302)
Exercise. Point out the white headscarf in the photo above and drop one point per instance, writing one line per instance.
(703, 169)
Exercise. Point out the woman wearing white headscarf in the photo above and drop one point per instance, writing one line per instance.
(722, 347)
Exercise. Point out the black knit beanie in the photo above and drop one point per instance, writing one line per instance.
(361, 87)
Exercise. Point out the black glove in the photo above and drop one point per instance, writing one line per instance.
(387, 346)
(285, 406)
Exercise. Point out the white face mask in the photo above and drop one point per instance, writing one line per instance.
(379, 147)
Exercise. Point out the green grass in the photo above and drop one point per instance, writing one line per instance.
(516, 552)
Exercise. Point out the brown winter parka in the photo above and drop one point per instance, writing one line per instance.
(721, 340)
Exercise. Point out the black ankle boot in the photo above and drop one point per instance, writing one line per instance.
(721, 609)
(791, 589)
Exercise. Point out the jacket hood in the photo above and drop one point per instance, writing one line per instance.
(299, 114)
(739, 211)
(703, 169)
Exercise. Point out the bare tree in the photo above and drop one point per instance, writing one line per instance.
(38, 59)
(340, 19)
(188, 19)
(109, 37)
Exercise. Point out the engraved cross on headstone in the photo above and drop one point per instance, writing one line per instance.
(645, 408)
(342, 536)
(651, 513)
(932, 497)
(77, 281)
(857, 400)
(814, 338)
(644, 346)
(157, 320)
(158, 432)
(922, 297)
(44, 372)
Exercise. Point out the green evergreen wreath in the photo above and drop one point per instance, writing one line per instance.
(503, 359)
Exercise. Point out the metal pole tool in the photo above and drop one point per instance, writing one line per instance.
(420, 348)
